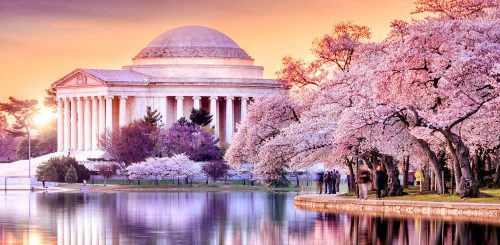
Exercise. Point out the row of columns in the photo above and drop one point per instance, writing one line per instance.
(82, 119)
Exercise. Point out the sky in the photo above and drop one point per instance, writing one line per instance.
(43, 40)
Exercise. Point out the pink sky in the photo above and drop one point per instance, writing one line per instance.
(41, 41)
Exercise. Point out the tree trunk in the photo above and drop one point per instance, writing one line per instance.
(351, 172)
(431, 155)
(297, 179)
(394, 187)
(468, 186)
(496, 179)
(406, 169)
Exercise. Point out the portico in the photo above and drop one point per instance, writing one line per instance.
(185, 68)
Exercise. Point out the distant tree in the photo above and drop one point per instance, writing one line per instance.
(200, 117)
(23, 112)
(129, 144)
(107, 170)
(71, 175)
(191, 139)
(43, 143)
(216, 169)
(50, 99)
(152, 116)
(8, 145)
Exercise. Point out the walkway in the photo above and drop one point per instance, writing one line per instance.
(399, 208)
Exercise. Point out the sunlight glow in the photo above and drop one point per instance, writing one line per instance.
(44, 116)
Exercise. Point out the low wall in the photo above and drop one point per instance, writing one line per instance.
(394, 208)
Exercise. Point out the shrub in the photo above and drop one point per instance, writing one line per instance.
(56, 168)
(71, 175)
(215, 169)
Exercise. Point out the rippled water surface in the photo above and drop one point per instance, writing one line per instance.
(211, 218)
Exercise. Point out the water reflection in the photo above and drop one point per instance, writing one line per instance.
(210, 218)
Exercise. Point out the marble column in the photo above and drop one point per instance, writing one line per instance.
(67, 125)
(88, 124)
(95, 123)
(180, 107)
(80, 120)
(123, 111)
(102, 115)
(109, 113)
(196, 100)
(60, 127)
(74, 123)
(164, 110)
(213, 112)
(229, 119)
(244, 104)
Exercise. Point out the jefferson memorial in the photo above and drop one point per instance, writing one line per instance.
(183, 68)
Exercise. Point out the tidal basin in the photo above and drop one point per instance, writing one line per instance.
(211, 218)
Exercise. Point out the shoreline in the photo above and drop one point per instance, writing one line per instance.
(466, 211)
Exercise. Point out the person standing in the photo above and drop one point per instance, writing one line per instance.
(411, 178)
(419, 177)
(329, 182)
(337, 181)
(379, 181)
(320, 183)
(364, 179)
(325, 176)
(348, 179)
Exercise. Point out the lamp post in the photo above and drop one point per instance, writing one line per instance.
(29, 152)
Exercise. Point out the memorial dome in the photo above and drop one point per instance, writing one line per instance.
(193, 41)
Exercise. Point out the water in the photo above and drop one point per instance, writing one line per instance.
(210, 218)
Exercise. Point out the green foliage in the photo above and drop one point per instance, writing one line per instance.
(152, 117)
(22, 111)
(71, 175)
(61, 165)
(200, 117)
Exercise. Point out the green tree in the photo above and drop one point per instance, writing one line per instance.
(61, 166)
(152, 116)
(50, 174)
(23, 112)
(200, 117)
(71, 175)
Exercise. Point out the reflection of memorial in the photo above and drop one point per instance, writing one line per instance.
(209, 217)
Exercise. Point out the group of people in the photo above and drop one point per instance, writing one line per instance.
(364, 181)
(331, 181)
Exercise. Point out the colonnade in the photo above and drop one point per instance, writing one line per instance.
(82, 119)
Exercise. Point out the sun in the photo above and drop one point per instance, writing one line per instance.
(44, 116)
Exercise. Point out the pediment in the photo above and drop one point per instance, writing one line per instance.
(77, 78)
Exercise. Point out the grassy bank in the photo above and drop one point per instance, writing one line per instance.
(414, 194)
(169, 185)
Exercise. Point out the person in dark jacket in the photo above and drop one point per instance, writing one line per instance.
(320, 183)
(379, 180)
(329, 182)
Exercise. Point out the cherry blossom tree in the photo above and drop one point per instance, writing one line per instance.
(434, 80)
(266, 117)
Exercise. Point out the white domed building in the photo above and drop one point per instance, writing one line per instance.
(184, 68)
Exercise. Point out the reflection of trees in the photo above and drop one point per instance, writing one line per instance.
(222, 217)
(276, 204)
